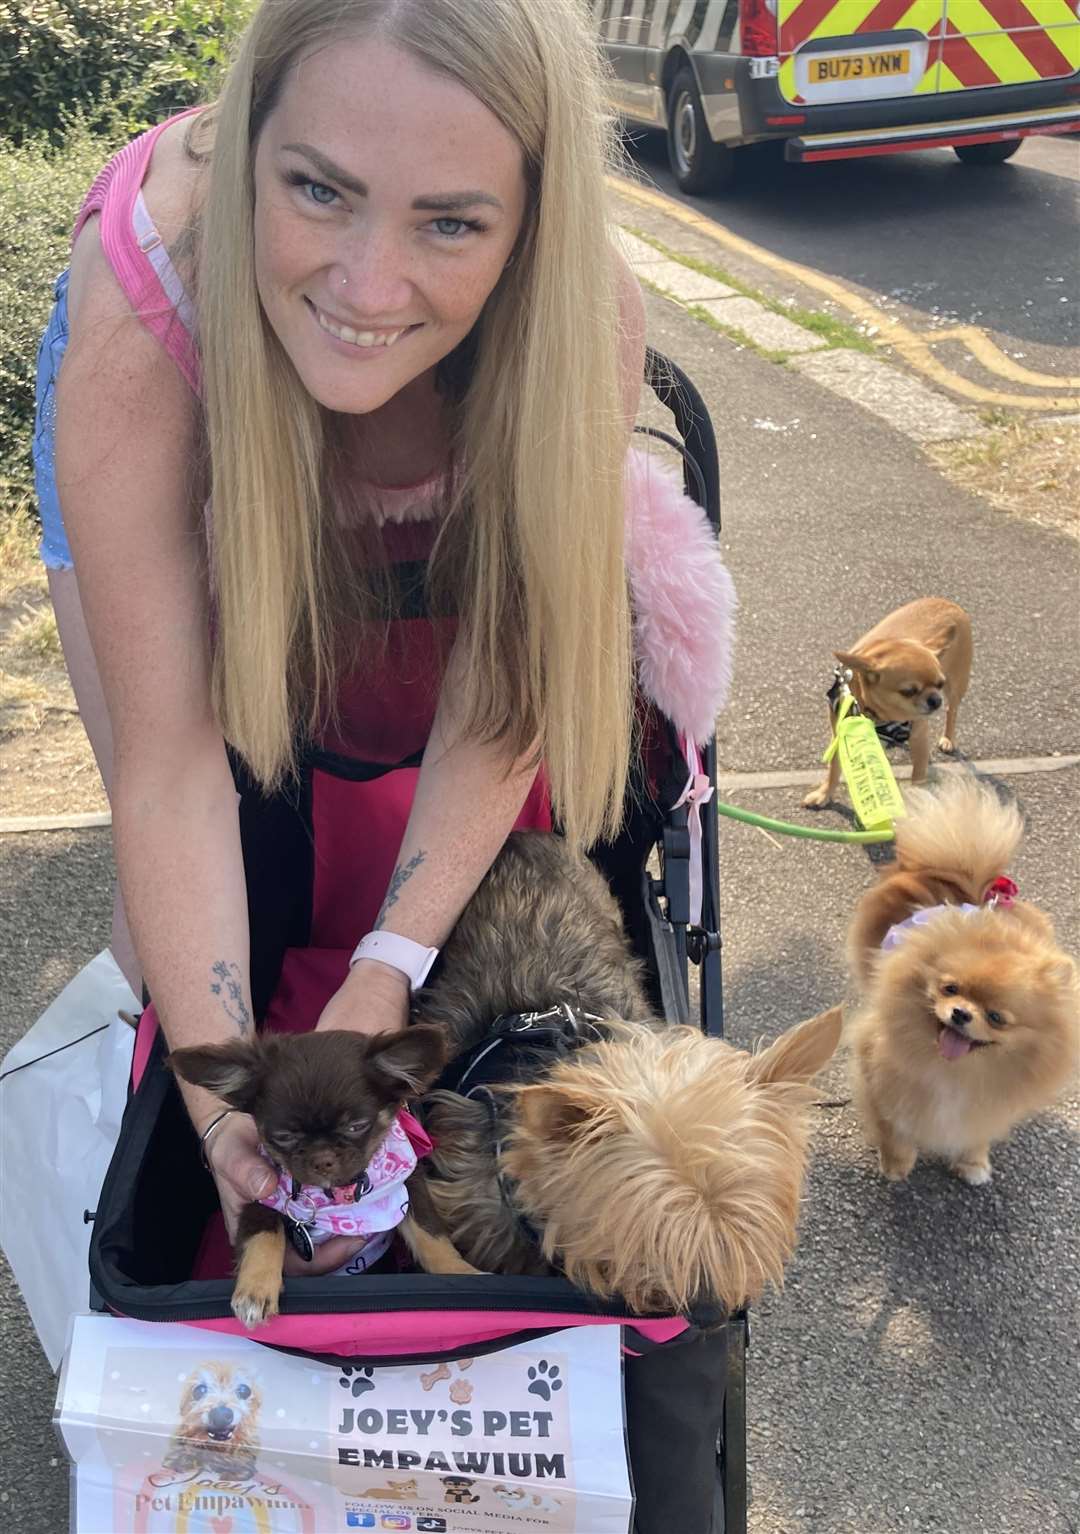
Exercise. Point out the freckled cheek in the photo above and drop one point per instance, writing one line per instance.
(285, 257)
(463, 294)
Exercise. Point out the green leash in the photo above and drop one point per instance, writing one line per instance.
(866, 770)
(810, 833)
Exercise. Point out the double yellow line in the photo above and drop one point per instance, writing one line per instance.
(916, 349)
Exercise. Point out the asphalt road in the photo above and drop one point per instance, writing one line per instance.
(919, 1372)
(941, 242)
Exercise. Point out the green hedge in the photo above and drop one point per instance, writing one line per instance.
(146, 58)
(78, 78)
(41, 188)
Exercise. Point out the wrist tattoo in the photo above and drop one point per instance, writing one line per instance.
(402, 874)
(226, 984)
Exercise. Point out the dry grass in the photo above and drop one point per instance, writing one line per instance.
(19, 564)
(1030, 470)
(33, 637)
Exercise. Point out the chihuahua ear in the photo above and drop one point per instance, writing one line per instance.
(406, 1063)
(801, 1052)
(233, 1072)
(856, 663)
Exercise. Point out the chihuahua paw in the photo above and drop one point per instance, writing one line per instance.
(817, 798)
(253, 1308)
(947, 745)
(975, 1173)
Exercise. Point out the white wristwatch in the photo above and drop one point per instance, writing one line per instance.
(412, 959)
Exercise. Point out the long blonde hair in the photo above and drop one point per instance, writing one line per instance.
(532, 546)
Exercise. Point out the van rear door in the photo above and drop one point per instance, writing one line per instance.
(860, 50)
(1008, 42)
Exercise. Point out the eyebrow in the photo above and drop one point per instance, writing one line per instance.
(447, 202)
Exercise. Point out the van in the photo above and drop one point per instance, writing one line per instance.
(840, 79)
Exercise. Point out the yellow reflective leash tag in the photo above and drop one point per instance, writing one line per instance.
(869, 777)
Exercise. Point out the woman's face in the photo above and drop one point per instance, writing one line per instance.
(387, 203)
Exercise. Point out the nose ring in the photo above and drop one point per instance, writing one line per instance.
(344, 279)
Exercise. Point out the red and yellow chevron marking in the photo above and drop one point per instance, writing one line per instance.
(973, 43)
(1008, 42)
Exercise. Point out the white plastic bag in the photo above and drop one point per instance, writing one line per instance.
(62, 1094)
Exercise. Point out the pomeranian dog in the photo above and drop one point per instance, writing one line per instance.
(970, 1017)
(902, 672)
(326, 1106)
(584, 1136)
(218, 1428)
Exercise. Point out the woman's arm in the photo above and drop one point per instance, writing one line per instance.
(126, 451)
(468, 794)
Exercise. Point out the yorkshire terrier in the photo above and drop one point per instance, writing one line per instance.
(643, 1160)
(329, 1109)
(218, 1428)
(970, 1017)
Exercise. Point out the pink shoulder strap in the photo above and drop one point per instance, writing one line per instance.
(136, 254)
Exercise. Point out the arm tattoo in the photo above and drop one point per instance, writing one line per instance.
(402, 874)
(226, 984)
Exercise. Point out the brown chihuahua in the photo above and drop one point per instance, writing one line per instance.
(323, 1103)
(903, 671)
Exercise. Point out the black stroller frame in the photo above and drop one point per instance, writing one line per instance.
(135, 1255)
(675, 942)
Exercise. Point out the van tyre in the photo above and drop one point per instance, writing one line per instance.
(987, 154)
(697, 164)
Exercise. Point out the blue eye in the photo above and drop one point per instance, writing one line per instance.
(457, 228)
(243, 1391)
(315, 191)
(198, 1393)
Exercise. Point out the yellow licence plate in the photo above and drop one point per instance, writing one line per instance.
(860, 66)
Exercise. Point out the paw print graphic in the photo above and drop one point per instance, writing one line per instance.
(544, 1380)
(361, 1384)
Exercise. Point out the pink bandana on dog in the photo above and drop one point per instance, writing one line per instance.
(372, 1207)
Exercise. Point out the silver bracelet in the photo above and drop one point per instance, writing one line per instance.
(208, 1131)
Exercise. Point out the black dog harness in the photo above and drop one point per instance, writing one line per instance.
(519, 1047)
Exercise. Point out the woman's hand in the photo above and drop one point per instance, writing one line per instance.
(243, 1177)
(373, 999)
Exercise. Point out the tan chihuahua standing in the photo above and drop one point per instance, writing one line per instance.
(901, 672)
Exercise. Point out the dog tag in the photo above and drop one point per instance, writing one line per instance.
(875, 797)
(299, 1239)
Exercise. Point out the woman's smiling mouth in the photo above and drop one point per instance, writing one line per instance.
(367, 340)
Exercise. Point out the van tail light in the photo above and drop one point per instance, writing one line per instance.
(757, 28)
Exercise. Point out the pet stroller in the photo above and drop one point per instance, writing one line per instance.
(154, 1259)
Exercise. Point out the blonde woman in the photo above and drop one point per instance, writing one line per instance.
(368, 296)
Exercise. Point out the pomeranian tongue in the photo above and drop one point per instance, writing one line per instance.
(952, 1044)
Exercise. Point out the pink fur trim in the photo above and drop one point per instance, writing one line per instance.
(684, 599)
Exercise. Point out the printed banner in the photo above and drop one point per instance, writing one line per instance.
(172, 1430)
